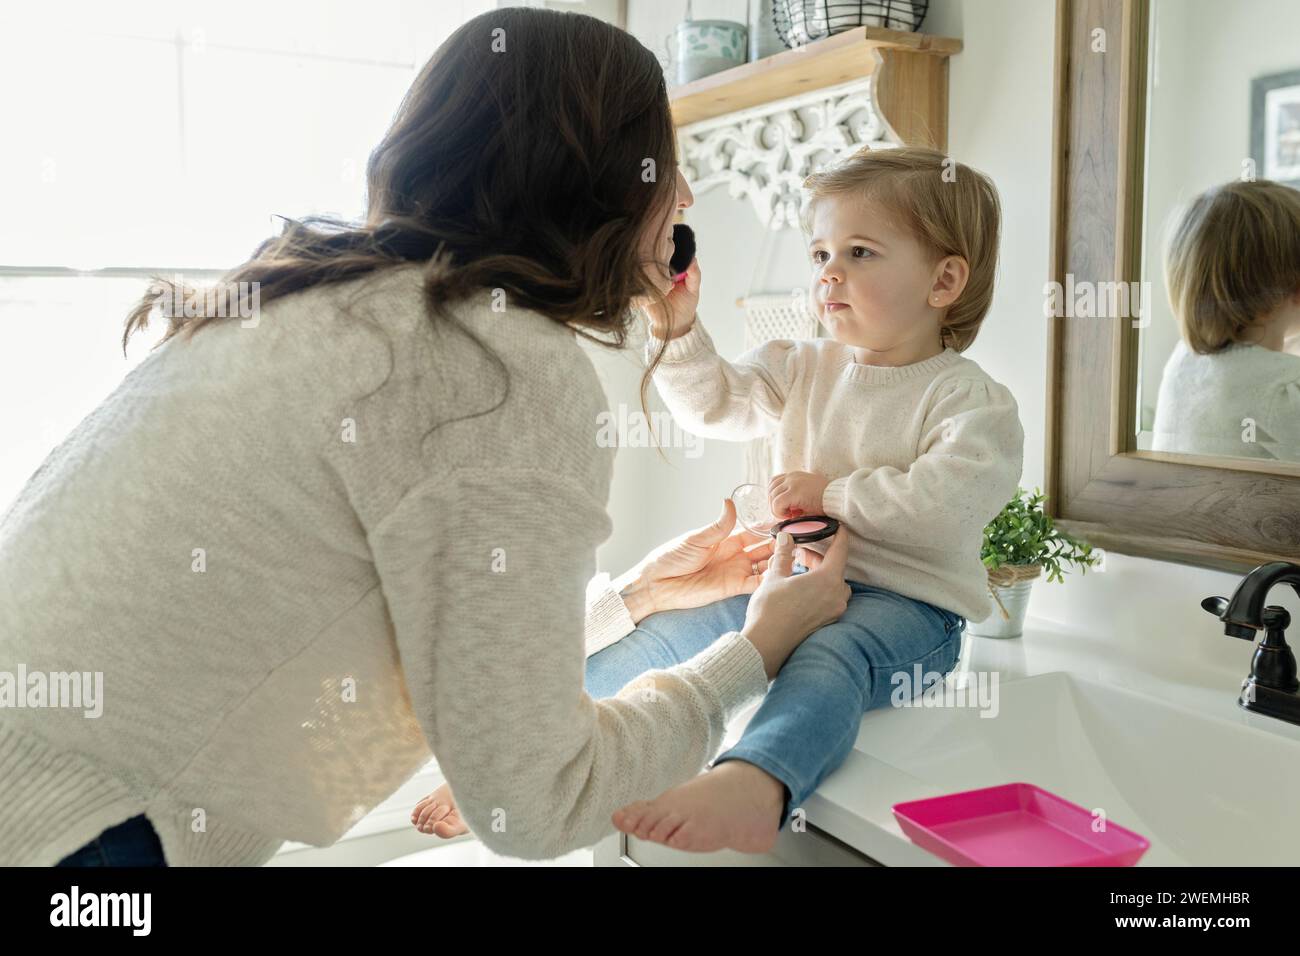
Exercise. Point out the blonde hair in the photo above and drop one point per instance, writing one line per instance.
(951, 209)
(1232, 259)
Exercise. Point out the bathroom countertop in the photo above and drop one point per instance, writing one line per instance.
(854, 803)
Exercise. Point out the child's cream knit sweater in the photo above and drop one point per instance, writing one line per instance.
(920, 457)
(1243, 402)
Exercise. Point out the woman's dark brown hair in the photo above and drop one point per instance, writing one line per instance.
(530, 154)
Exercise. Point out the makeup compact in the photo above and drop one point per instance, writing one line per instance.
(807, 528)
(753, 512)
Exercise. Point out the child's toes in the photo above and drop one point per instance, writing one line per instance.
(431, 815)
(450, 826)
(639, 818)
(664, 827)
(626, 818)
(682, 838)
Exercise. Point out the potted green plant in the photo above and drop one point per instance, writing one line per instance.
(1018, 544)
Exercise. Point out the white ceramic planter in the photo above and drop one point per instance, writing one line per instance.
(1015, 598)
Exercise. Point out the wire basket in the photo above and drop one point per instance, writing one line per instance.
(801, 21)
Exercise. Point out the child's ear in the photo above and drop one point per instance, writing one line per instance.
(950, 279)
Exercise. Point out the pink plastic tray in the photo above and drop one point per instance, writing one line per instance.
(1015, 824)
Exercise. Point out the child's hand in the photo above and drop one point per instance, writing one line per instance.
(437, 814)
(683, 300)
(796, 493)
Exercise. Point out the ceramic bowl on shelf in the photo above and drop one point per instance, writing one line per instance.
(704, 47)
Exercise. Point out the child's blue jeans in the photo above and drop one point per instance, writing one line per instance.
(809, 720)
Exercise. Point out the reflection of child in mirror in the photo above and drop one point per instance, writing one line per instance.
(1232, 269)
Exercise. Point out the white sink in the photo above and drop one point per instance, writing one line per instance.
(1204, 790)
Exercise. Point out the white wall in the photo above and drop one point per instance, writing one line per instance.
(1000, 122)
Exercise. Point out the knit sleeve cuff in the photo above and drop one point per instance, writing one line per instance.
(835, 499)
(682, 348)
(734, 667)
(608, 619)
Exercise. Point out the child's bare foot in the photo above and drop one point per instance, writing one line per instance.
(735, 805)
(437, 814)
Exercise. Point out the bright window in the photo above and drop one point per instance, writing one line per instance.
(163, 135)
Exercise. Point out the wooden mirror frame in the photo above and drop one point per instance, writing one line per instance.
(1224, 513)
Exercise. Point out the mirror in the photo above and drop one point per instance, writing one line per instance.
(1222, 510)
(1219, 371)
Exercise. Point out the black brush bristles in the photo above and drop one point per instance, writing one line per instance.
(683, 249)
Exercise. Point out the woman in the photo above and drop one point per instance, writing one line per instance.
(309, 548)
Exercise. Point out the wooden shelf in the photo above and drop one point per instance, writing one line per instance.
(911, 91)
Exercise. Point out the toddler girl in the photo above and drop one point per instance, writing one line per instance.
(884, 426)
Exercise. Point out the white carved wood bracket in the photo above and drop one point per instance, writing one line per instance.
(764, 153)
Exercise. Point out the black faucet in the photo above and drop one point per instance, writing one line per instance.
(1272, 687)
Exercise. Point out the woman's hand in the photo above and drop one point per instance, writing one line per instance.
(787, 607)
(683, 300)
(697, 568)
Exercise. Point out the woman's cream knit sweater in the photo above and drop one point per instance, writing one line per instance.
(295, 602)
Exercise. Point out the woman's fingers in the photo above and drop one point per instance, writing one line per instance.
(754, 579)
(760, 559)
(836, 556)
(711, 534)
(693, 277)
(782, 562)
(750, 542)
(727, 520)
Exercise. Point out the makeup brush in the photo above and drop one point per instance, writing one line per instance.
(683, 250)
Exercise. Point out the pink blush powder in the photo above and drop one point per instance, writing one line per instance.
(803, 527)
